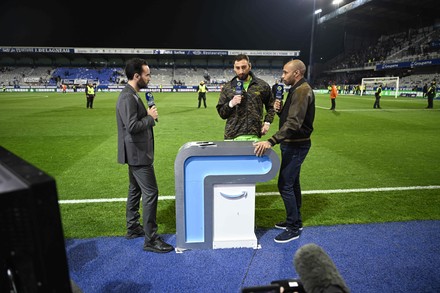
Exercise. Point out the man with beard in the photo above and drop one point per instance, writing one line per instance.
(136, 148)
(241, 103)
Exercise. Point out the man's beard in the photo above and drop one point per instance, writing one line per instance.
(243, 76)
(142, 84)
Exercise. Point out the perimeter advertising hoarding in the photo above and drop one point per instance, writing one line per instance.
(408, 64)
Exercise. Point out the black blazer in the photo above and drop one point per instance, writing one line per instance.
(135, 129)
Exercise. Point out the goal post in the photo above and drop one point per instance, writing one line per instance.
(390, 84)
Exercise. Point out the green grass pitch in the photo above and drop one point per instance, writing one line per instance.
(355, 147)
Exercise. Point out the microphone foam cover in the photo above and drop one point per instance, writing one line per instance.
(317, 271)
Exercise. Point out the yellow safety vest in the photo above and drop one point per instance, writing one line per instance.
(90, 90)
(202, 88)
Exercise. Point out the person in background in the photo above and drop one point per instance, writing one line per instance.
(333, 95)
(202, 89)
(135, 125)
(296, 118)
(377, 95)
(90, 95)
(242, 101)
(431, 93)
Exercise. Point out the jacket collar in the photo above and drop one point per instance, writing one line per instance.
(297, 84)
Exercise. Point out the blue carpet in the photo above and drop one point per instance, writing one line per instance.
(389, 257)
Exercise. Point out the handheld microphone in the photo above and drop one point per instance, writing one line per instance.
(317, 271)
(279, 93)
(150, 101)
(239, 87)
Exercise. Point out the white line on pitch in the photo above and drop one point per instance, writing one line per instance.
(353, 190)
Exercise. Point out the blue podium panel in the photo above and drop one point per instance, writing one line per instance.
(200, 166)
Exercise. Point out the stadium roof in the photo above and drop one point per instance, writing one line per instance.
(381, 16)
(367, 20)
(251, 25)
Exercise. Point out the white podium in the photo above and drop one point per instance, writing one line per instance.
(234, 220)
(215, 193)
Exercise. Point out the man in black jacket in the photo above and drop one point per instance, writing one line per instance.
(295, 128)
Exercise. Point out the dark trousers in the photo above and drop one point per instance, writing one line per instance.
(289, 185)
(333, 104)
(430, 102)
(142, 185)
(90, 99)
(202, 96)
(377, 102)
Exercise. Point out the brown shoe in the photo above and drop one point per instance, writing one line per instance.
(158, 245)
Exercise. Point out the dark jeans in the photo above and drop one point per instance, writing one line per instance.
(289, 185)
(142, 184)
(333, 103)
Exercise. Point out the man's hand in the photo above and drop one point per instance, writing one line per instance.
(235, 101)
(153, 112)
(265, 128)
(261, 147)
(277, 105)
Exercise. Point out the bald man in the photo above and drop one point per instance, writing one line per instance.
(296, 118)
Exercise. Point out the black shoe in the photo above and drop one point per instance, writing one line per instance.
(135, 233)
(287, 236)
(158, 245)
(282, 225)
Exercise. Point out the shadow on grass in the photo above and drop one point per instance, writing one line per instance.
(270, 209)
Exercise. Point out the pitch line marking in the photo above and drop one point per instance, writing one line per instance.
(351, 190)
(378, 110)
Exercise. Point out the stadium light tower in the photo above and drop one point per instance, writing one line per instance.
(312, 37)
(337, 2)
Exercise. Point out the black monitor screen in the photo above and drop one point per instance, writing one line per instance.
(33, 256)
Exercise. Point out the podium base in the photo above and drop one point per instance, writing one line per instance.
(244, 243)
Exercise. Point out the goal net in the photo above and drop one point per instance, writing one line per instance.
(390, 85)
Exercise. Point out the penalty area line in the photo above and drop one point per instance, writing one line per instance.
(329, 191)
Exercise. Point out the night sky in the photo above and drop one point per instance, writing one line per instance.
(197, 24)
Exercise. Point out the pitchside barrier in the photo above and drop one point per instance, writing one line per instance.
(105, 88)
(402, 93)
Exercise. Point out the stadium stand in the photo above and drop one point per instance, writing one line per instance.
(388, 42)
(413, 55)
